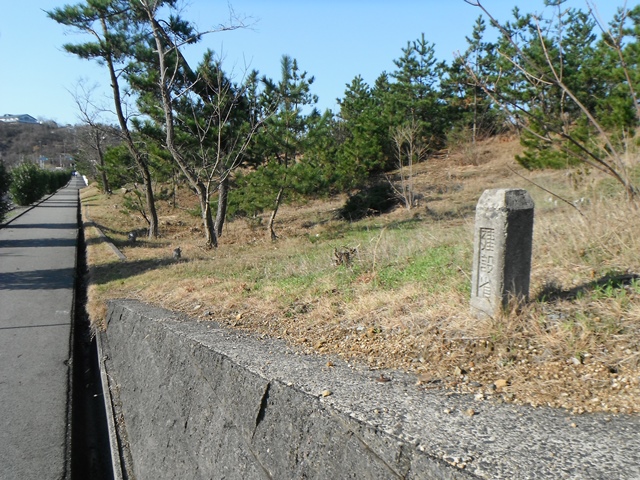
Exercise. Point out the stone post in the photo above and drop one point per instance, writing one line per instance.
(501, 250)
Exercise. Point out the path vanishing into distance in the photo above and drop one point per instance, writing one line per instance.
(37, 280)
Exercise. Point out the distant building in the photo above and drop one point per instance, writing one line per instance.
(22, 118)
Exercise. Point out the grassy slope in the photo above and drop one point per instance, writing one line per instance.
(403, 300)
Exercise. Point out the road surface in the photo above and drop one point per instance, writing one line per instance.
(37, 273)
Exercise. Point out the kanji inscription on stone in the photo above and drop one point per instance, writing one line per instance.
(485, 265)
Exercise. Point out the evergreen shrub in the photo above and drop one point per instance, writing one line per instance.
(29, 183)
(5, 181)
(373, 200)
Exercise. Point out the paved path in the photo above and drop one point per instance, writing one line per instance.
(37, 270)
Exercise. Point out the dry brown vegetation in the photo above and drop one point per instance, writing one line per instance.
(401, 302)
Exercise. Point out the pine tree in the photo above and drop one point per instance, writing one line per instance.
(285, 135)
(112, 25)
(363, 133)
(566, 48)
(200, 113)
(475, 115)
(415, 97)
(574, 98)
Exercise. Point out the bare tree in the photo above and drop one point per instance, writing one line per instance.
(410, 148)
(89, 115)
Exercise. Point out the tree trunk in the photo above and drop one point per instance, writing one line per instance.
(272, 219)
(632, 192)
(150, 199)
(174, 181)
(207, 219)
(135, 153)
(103, 174)
(223, 200)
(105, 180)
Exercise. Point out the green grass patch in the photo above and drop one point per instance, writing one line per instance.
(436, 268)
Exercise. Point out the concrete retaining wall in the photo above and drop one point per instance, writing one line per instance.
(201, 402)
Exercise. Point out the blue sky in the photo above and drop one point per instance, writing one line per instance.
(333, 40)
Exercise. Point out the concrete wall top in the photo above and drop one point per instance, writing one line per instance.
(191, 391)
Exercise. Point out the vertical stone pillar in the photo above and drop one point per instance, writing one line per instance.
(502, 250)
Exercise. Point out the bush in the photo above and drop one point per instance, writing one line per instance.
(373, 200)
(30, 183)
(26, 184)
(5, 181)
(55, 180)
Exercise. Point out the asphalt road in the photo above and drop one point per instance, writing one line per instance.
(37, 272)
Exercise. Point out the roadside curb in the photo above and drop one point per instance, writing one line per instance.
(119, 472)
(116, 464)
(86, 221)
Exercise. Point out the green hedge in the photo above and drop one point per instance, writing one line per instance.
(29, 183)
(5, 181)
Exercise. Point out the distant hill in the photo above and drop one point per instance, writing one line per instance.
(44, 143)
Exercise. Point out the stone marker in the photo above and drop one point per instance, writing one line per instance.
(502, 250)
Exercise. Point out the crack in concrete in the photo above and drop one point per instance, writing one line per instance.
(349, 430)
(259, 415)
(262, 409)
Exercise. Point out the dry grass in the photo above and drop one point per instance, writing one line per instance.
(402, 302)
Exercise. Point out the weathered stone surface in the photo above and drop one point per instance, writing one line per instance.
(202, 402)
(502, 250)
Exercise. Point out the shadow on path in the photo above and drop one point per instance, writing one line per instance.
(61, 226)
(38, 242)
(37, 279)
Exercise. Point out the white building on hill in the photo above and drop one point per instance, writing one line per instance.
(22, 118)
